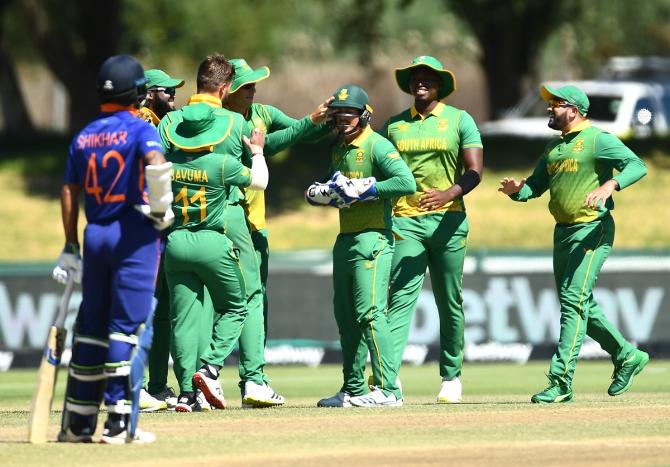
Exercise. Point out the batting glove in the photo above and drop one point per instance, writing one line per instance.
(320, 194)
(69, 262)
(354, 189)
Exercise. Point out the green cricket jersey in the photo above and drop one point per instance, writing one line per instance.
(576, 164)
(431, 148)
(231, 142)
(281, 132)
(201, 185)
(372, 155)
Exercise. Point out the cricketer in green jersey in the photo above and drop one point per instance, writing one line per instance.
(443, 149)
(368, 172)
(201, 184)
(271, 121)
(255, 392)
(578, 169)
(156, 395)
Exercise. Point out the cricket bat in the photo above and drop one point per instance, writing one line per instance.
(46, 378)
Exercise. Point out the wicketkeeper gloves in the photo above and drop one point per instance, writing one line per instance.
(69, 262)
(341, 192)
(321, 194)
(354, 189)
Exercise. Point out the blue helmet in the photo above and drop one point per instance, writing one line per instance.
(121, 80)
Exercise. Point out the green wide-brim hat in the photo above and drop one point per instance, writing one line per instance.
(402, 75)
(200, 128)
(244, 74)
(570, 94)
(159, 79)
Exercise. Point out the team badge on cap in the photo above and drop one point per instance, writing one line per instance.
(343, 94)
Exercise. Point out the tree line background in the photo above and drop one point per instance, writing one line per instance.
(512, 43)
(498, 49)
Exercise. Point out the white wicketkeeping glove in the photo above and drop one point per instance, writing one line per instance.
(69, 262)
(321, 194)
(354, 189)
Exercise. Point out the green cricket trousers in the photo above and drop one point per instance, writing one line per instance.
(252, 339)
(580, 250)
(436, 241)
(195, 261)
(361, 266)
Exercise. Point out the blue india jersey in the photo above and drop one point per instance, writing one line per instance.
(107, 159)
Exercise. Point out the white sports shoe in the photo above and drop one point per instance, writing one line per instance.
(168, 396)
(398, 383)
(341, 399)
(210, 387)
(149, 403)
(375, 398)
(260, 395)
(141, 437)
(202, 402)
(450, 392)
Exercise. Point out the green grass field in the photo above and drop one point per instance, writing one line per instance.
(496, 424)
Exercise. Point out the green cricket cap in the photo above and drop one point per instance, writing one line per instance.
(200, 128)
(352, 96)
(570, 94)
(244, 74)
(159, 79)
(402, 75)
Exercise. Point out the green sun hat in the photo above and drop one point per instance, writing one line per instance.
(244, 74)
(402, 75)
(200, 128)
(352, 96)
(159, 79)
(570, 94)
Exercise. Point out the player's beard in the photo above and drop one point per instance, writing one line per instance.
(161, 107)
(558, 122)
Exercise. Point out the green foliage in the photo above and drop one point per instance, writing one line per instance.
(604, 29)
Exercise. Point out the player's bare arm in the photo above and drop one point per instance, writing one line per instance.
(599, 196)
(256, 142)
(320, 113)
(473, 159)
(69, 201)
(509, 186)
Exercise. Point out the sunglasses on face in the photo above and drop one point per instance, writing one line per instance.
(553, 103)
(169, 91)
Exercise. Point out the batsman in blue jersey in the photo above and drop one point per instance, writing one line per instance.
(117, 161)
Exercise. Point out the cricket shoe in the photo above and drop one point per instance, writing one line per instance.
(202, 402)
(556, 392)
(149, 403)
(375, 398)
(67, 436)
(260, 395)
(168, 396)
(141, 437)
(116, 432)
(341, 399)
(625, 373)
(210, 386)
(450, 391)
(371, 382)
(189, 402)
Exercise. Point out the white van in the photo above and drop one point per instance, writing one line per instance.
(627, 109)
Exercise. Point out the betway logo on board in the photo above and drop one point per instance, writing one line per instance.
(509, 310)
(25, 322)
